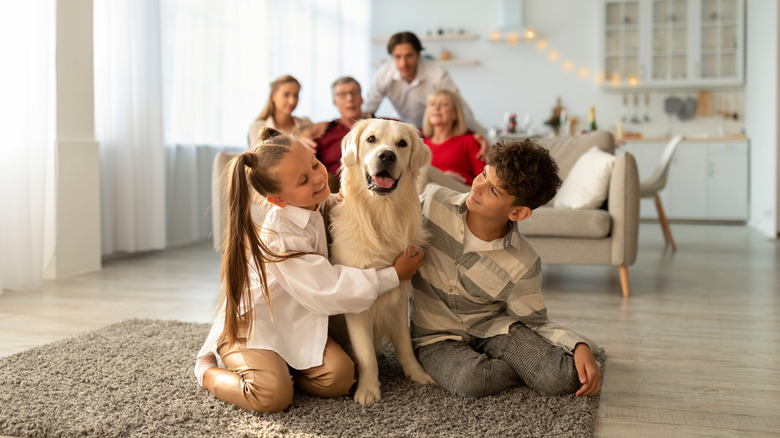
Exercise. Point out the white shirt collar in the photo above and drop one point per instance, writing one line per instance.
(297, 215)
(418, 77)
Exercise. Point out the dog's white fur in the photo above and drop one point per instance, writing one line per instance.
(370, 229)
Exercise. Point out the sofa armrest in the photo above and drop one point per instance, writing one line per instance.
(623, 207)
(432, 175)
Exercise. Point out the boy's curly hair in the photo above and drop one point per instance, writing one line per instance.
(526, 170)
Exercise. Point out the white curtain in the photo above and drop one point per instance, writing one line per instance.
(219, 58)
(218, 61)
(27, 97)
(128, 124)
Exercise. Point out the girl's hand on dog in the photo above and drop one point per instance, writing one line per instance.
(335, 198)
(408, 262)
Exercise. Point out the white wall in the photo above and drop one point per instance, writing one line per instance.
(762, 94)
(520, 78)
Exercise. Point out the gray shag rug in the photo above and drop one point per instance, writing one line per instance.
(135, 378)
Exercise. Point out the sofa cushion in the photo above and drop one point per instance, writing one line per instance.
(589, 223)
(567, 150)
(588, 182)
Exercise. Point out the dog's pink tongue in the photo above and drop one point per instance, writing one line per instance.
(384, 181)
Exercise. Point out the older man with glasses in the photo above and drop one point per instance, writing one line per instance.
(347, 98)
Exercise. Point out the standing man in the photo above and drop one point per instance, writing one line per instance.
(347, 98)
(409, 79)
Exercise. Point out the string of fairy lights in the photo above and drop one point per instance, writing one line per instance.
(553, 55)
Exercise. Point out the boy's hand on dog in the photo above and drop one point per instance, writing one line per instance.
(408, 262)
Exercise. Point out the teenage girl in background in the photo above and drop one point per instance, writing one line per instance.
(277, 114)
(271, 332)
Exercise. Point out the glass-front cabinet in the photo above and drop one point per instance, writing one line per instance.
(670, 40)
(668, 43)
(721, 46)
(622, 41)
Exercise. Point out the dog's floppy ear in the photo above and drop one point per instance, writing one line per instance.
(349, 144)
(421, 154)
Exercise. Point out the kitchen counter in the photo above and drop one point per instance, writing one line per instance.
(693, 138)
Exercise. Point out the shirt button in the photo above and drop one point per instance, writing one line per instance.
(450, 289)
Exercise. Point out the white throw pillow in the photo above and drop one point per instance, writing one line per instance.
(588, 182)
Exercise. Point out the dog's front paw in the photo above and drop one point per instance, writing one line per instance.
(422, 378)
(367, 393)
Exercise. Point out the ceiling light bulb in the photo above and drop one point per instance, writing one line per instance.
(553, 55)
(541, 45)
(530, 34)
(583, 73)
(495, 36)
(568, 66)
(512, 38)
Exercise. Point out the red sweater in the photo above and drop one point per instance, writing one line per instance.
(458, 154)
(329, 146)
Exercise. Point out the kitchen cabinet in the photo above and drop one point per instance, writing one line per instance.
(707, 181)
(673, 43)
(727, 176)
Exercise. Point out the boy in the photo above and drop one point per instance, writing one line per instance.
(479, 322)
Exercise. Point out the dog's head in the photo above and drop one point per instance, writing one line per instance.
(385, 152)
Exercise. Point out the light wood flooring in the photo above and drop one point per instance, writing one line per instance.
(695, 350)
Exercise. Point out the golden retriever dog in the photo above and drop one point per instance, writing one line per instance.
(378, 219)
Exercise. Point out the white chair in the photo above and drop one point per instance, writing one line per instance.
(650, 187)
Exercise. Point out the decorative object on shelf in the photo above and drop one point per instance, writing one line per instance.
(514, 29)
(592, 127)
(554, 121)
(510, 123)
(563, 125)
(445, 54)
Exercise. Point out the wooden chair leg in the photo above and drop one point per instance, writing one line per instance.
(664, 223)
(624, 280)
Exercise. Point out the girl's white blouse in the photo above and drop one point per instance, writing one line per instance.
(304, 291)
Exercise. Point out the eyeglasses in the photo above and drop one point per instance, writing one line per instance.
(344, 94)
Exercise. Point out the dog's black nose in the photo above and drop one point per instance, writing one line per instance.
(387, 156)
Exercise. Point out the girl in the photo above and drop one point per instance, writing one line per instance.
(271, 333)
(277, 114)
(444, 131)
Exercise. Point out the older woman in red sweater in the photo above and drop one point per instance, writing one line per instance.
(454, 149)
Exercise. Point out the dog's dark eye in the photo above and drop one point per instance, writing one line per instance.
(371, 139)
(402, 144)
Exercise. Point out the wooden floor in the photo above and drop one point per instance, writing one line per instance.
(695, 350)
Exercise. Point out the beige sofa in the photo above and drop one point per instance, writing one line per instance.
(591, 236)
(595, 236)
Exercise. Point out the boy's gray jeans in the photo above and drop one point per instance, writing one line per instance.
(488, 366)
